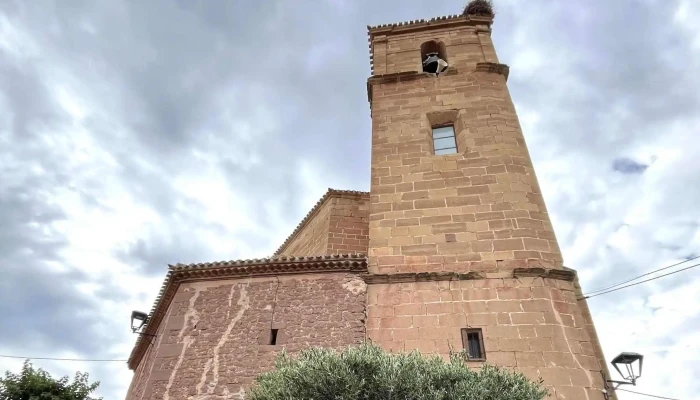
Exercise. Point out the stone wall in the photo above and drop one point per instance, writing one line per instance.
(401, 52)
(349, 225)
(531, 324)
(339, 224)
(216, 338)
(312, 238)
(140, 387)
(478, 210)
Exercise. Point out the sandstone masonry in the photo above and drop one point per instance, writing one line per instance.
(440, 244)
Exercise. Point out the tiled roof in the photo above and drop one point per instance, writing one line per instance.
(237, 269)
(330, 193)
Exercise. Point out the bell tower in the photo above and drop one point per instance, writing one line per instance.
(462, 252)
(453, 186)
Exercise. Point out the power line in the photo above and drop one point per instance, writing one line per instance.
(637, 283)
(645, 394)
(642, 276)
(61, 359)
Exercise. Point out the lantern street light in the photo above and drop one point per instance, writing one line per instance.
(629, 366)
(632, 364)
(138, 320)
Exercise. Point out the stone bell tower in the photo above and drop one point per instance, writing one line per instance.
(452, 248)
(461, 247)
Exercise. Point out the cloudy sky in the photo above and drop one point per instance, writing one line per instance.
(135, 134)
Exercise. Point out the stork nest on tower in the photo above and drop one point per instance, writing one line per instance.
(479, 7)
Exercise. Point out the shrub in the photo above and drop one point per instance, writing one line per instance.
(34, 384)
(367, 372)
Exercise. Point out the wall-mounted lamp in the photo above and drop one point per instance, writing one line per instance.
(138, 320)
(629, 366)
(632, 365)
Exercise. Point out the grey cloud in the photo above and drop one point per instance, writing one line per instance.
(628, 166)
(42, 309)
(166, 79)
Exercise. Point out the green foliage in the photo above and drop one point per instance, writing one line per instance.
(37, 384)
(367, 372)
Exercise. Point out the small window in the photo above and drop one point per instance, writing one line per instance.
(273, 337)
(444, 140)
(473, 342)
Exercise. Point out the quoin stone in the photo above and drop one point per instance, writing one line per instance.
(452, 247)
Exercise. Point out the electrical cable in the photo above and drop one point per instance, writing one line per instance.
(587, 296)
(645, 394)
(61, 359)
(641, 276)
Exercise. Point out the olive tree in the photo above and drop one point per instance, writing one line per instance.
(367, 372)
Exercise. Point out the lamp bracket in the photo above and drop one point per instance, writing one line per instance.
(607, 389)
(619, 383)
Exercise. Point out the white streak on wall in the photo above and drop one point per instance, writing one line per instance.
(213, 364)
(566, 338)
(244, 302)
(193, 316)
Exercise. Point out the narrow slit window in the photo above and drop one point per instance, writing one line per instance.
(273, 337)
(444, 140)
(473, 342)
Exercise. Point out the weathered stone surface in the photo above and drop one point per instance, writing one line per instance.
(218, 350)
(421, 318)
(454, 241)
(488, 189)
(339, 224)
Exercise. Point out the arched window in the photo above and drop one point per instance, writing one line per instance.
(433, 57)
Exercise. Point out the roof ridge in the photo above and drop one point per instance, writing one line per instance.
(330, 192)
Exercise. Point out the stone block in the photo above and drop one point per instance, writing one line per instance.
(529, 359)
(409, 309)
(395, 322)
(504, 306)
(518, 345)
(501, 358)
(426, 321)
(169, 350)
(439, 308)
(556, 377)
(527, 318)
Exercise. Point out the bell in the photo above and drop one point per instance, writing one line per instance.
(433, 64)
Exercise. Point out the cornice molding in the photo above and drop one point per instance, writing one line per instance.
(420, 277)
(405, 76)
(558, 274)
(565, 274)
(494, 68)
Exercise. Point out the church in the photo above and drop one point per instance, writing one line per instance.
(452, 247)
